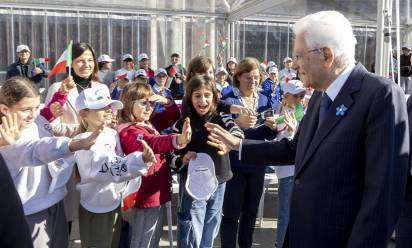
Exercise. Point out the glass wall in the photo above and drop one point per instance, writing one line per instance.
(47, 33)
(274, 41)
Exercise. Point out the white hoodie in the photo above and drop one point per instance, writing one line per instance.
(103, 172)
(29, 161)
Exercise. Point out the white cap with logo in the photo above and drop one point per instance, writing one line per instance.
(294, 87)
(160, 71)
(201, 181)
(127, 56)
(142, 56)
(232, 59)
(21, 48)
(273, 70)
(104, 58)
(221, 69)
(286, 59)
(141, 73)
(97, 97)
(272, 64)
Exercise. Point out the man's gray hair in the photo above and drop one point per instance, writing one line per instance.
(329, 29)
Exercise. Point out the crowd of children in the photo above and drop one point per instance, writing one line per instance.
(104, 152)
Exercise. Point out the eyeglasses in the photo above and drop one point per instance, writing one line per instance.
(146, 103)
(297, 56)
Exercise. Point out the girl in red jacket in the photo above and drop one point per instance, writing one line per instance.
(137, 122)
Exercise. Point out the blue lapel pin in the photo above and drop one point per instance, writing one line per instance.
(340, 111)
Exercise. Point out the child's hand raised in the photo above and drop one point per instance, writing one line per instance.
(148, 154)
(160, 99)
(290, 121)
(86, 143)
(56, 109)
(67, 84)
(186, 135)
(9, 130)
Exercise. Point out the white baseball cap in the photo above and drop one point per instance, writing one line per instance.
(287, 59)
(232, 59)
(201, 180)
(104, 58)
(127, 56)
(271, 64)
(141, 73)
(160, 71)
(294, 87)
(96, 97)
(142, 56)
(221, 69)
(407, 46)
(21, 48)
(273, 70)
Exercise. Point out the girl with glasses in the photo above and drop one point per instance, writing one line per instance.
(139, 122)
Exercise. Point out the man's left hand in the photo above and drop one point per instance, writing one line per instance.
(221, 139)
(37, 71)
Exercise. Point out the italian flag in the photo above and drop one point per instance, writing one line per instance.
(64, 61)
(41, 60)
(205, 44)
(121, 76)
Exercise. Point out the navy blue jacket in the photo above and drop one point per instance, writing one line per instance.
(261, 132)
(350, 174)
(274, 95)
(15, 70)
(404, 229)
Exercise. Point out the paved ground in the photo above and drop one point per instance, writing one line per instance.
(264, 236)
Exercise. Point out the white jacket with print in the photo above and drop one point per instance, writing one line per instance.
(104, 172)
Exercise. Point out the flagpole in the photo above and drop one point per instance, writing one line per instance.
(70, 64)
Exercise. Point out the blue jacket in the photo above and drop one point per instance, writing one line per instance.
(115, 95)
(275, 96)
(167, 93)
(15, 70)
(260, 132)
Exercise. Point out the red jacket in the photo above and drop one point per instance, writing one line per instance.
(150, 72)
(156, 185)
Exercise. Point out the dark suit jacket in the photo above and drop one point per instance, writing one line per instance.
(404, 229)
(15, 70)
(14, 231)
(350, 173)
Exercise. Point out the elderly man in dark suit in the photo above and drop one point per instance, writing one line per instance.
(351, 150)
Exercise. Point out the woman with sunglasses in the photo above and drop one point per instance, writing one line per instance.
(293, 95)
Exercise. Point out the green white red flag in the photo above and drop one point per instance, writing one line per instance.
(64, 61)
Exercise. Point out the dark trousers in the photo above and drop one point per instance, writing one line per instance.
(125, 235)
(404, 228)
(240, 206)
